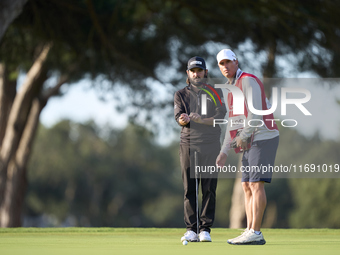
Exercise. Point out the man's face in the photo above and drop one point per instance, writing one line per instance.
(228, 67)
(195, 75)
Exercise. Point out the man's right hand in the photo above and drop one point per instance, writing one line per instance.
(221, 159)
(184, 119)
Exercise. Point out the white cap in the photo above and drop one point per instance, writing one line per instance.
(226, 54)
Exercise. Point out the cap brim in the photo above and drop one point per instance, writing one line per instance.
(192, 67)
(219, 61)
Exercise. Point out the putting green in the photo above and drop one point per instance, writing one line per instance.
(97, 241)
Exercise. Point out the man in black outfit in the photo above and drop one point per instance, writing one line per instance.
(195, 108)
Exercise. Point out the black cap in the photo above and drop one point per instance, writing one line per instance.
(196, 62)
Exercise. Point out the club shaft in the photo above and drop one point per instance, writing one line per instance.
(196, 180)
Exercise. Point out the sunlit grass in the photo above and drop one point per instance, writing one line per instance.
(64, 241)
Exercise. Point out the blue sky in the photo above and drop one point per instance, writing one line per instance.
(81, 103)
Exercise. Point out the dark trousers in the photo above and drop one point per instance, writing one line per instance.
(206, 157)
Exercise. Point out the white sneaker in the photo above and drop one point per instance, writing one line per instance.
(204, 236)
(230, 241)
(190, 236)
(250, 238)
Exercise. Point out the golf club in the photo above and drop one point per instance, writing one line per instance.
(196, 180)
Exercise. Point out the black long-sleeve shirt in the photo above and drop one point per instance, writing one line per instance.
(187, 101)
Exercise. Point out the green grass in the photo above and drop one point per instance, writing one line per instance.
(97, 241)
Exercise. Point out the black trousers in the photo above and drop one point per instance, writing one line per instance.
(206, 157)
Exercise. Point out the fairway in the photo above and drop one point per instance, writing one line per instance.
(65, 241)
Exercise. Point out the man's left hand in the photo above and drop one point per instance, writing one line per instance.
(242, 144)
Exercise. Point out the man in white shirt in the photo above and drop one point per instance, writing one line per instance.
(258, 142)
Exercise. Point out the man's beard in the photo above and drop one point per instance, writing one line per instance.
(198, 82)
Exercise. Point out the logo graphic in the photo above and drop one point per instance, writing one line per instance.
(204, 98)
(239, 100)
(196, 62)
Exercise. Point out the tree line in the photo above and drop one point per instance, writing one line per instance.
(86, 175)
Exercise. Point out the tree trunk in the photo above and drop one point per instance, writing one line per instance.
(18, 117)
(269, 69)
(237, 212)
(9, 10)
(95, 202)
(7, 95)
(10, 212)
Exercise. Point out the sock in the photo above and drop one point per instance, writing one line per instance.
(257, 232)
